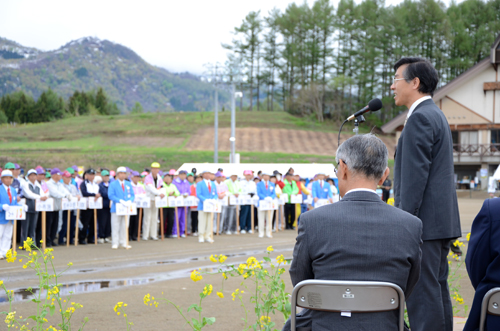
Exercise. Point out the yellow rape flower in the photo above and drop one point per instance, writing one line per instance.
(10, 318)
(223, 275)
(264, 320)
(222, 258)
(221, 295)
(11, 256)
(468, 236)
(207, 290)
(1, 282)
(196, 276)
(280, 259)
(270, 249)
(27, 244)
(213, 258)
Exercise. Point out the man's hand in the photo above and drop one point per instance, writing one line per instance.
(162, 196)
(25, 208)
(236, 195)
(97, 196)
(18, 198)
(5, 207)
(221, 195)
(170, 194)
(316, 199)
(44, 198)
(331, 200)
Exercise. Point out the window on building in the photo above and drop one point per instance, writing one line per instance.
(469, 138)
(495, 136)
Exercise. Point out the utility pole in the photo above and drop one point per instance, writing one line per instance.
(216, 127)
(232, 139)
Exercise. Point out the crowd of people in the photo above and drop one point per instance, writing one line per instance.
(73, 183)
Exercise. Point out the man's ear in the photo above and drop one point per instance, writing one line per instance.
(416, 83)
(344, 169)
(384, 176)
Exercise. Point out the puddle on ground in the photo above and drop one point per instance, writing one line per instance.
(67, 289)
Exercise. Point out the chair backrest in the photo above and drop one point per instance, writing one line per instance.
(348, 296)
(491, 305)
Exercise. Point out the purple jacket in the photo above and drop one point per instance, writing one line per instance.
(183, 186)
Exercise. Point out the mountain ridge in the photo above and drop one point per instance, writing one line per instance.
(89, 63)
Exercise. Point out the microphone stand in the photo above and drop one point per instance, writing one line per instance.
(357, 120)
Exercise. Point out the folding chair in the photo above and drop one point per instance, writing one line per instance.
(491, 305)
(348, 296)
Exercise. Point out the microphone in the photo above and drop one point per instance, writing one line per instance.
(373, 105)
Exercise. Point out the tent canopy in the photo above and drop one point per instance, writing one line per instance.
(306, 170)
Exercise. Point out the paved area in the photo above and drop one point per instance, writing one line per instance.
(101, 277)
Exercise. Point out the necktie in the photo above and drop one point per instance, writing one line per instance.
(123, 187)
(209, 188)
(266, 185)
(10, 196)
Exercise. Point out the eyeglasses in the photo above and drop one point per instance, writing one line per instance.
(335, 168)
(394, 79)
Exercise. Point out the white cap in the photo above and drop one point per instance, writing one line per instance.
(121, 169)
(6, 173)
(31, 171)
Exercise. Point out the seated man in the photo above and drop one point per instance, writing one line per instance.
(483, 261)
(360, 238)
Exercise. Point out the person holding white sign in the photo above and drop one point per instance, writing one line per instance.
(75, 195)
(153, 183)
(205, 189)
(31, 191)
(290, 188)
(8, 197)
(266, 191)
(234, 188)
(248, 187)
(139, 190)
(184, 188)
(89, 190)
(222, 192)
(57, 192)
(170, 190)
(321, 189)
(104, 214)
(120, 192)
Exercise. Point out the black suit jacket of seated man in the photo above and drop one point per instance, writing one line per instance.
(359, 238)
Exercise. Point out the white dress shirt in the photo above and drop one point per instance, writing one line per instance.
(361, 190)
(248, 186)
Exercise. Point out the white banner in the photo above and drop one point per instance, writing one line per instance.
(212, 206)
(122, 210)
(235, 201)
(47, 205)
(161, 203)
(67, 204)
(82, 204)
(246, 199)
(309, 200)
(268, 204)
(15, 213)
(224, 201)
(142, 201)
(93, 204)
(321, 202)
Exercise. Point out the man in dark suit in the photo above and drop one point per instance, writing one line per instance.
(424, 186)
(360, 238)
(483, 261)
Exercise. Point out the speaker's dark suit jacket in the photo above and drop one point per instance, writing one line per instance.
(483, 261)
(359, 238)
(424, 183)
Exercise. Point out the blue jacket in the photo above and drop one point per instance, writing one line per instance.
(103, 190)
(4, 200)
(321, 193)
(483, 261)
(202, 193)
(115, 193)
(263, 193)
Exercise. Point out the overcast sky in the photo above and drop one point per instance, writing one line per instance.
(178, 35)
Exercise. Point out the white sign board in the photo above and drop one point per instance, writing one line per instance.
(309, 200)
(224, 201)
(191, 201)
(122, 210)
(93, 204)
(142, 201)
(82, 204)
(235, 201)
(321, 202)
(15, 213)
(296, 198)
(268, 204)
(68, 204)
(47, 205)
(246, 199)
(283, 199)
(212, 206)
(161, 203)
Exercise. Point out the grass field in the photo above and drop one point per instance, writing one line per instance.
(137, 140)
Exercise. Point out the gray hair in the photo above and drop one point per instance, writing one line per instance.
(364, 154)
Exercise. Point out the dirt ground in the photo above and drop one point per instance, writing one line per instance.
(101, 277)
(267, 140)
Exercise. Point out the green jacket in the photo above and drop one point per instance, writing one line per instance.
(234, 188)
(290, 188)
(166, 189)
